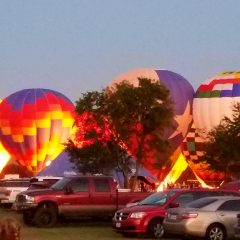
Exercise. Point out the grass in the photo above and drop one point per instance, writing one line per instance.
(70, 230)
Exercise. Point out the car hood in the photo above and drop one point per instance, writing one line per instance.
(35, 192)
(142, 208)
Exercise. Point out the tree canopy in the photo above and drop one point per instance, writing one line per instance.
(120, 122)
(222, 146)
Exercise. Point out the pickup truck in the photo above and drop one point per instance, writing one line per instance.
(74, 196)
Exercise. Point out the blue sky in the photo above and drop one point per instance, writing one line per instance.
(74, 46)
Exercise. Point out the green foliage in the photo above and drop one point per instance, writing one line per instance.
(127, 119)
(222, 148)
(143, 112)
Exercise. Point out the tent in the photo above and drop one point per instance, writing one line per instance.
(59, 167)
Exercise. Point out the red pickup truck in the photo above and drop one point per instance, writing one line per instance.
(74, 196)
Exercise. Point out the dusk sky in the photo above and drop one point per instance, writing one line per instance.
(74, 46)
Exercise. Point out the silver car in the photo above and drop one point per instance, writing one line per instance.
(212, 218)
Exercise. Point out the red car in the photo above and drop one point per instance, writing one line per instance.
(147, 216)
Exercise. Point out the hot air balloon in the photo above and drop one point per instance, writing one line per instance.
(192, 149)
(214, 99)
(34, 124)
(4, 155)
(181, 93)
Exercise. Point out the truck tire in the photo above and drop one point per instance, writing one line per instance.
(155, 228)
(28, 217)
(46, 216)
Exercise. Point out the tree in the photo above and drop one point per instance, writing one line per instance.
(140, 116)
(128, 120)
(95, 148)
(222, 146)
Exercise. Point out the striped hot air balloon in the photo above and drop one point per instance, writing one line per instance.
(34, 124)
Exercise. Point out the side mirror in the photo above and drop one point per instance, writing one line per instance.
(68, 190)
(173, 205)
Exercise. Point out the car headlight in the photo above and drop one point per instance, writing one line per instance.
(29, 199)
(137, 215)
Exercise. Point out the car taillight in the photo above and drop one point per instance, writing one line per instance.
(188, 215)
(7, 192)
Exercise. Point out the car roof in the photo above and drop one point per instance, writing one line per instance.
(199, 190)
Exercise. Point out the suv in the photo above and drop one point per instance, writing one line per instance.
(9, 188)
(147, 216)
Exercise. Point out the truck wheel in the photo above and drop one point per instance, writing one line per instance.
(28, 217)
(46, 216)
(155, 228)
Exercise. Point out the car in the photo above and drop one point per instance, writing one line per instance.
(209, 218)
(146, 218)
(237, 227)
(9, 188)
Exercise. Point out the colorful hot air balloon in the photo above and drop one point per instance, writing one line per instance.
(192, 149)
(34, 124)
(181, 93)
(214, 99)
(4, 155)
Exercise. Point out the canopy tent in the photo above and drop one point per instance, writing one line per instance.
(60, 166)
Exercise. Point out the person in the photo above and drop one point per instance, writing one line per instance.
(9, 229)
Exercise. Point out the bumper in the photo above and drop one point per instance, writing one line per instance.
(128, 226)
(19, 207)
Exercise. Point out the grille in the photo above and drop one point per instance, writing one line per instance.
(120, 216)
(20, 198)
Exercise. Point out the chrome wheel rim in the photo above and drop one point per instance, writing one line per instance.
(216, 233)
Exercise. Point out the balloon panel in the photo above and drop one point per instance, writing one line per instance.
(192, 149)
(181, 93)
(214, 99)
(34, 124)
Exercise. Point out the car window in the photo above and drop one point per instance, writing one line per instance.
(79, 185)
(202, 202)
(16, 183)
(59, 185)
(159, 198)
(184, 198)
(230, 205)
(101, 185)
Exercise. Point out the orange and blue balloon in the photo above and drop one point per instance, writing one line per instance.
(34, 125)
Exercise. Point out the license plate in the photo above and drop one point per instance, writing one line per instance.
(173, 217)
(118, 225)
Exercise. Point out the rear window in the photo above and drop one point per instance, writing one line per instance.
(102, 185)
(15, 184)
(202, 202)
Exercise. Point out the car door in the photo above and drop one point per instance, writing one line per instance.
(75, 201)
(103, 200)
(227, 212)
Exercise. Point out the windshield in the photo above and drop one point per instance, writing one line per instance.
(159, 198)
(59, 185)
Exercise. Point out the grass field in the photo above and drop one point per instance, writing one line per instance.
(71, 230)
(74, 230)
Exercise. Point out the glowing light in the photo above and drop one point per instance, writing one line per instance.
(178, 168)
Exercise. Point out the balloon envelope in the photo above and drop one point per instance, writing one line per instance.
(214, 98)
(181, 93)
(34, 124)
